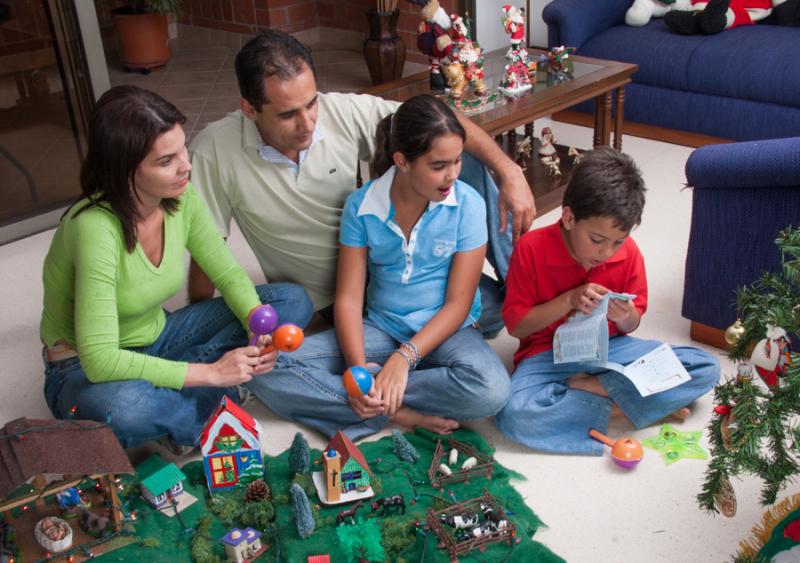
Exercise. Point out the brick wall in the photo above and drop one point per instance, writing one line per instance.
(250, 16)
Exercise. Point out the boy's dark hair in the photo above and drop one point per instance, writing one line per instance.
(124, 124)
(269, 53)
(412, 129)
(606, 183)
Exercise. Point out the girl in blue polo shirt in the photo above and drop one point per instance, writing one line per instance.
(414, 241)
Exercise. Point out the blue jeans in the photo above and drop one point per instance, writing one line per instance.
(545, 414)
(137, 410)
(462, 379)
(498, 249)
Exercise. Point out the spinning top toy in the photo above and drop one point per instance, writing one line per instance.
(626, 452)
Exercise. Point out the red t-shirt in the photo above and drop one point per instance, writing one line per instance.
(541, 268)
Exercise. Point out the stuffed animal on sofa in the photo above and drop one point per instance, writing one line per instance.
(714, 16)
(641, 11)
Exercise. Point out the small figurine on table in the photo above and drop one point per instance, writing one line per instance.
(517, 79)
(471, 56)
(514, 24)
(459, 31)
(524, 152)
(552, 163)
(575, 155)
(433, 38)
(547, 148)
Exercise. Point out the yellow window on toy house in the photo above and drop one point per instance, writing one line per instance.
(228, 441)
(223, 470)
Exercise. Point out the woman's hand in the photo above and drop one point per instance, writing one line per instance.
(367, 405)
(390, 383)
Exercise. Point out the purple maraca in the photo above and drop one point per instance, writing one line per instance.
(262, 319)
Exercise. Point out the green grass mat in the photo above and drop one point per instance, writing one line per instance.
(409, 543)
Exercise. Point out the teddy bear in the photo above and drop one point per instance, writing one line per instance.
(641, 11)
(713, 16)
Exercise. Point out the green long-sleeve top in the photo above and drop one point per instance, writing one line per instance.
(102, 299)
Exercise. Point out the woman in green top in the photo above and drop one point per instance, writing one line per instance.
(112, 353)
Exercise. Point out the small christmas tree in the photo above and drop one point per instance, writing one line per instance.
(403, 447)
(302, 511)
(299, 461)
(754, 429)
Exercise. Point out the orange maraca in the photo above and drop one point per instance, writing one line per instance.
(626, 452)
(286, 338)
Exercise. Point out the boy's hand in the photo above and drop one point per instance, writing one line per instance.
(586, 297)
(620, 310)
(368, 405)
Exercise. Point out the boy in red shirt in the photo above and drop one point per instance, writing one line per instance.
(568, 267)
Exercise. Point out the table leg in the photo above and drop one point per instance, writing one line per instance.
(529, 129)
(607, 98)
(619, 118)
(599, 118)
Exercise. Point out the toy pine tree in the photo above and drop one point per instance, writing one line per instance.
(403, 447)
(299, 461)
(754, 428)
(361, 540)
(302, 511)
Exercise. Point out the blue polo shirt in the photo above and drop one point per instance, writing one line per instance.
(408, 279)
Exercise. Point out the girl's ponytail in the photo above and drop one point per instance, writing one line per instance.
(383, 146)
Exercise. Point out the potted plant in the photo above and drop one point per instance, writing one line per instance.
(142, 31)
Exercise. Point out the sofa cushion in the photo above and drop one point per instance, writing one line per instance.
(757, 62)
(663, 57)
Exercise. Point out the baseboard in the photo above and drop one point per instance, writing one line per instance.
(708, 335)
(672, 136)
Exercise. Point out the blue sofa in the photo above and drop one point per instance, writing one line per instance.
(743, 195)
(741, 84)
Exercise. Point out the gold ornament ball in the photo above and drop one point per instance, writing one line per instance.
(734, 332)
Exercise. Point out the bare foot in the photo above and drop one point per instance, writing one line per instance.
(436, 424)
(681, 414)
(586, 382)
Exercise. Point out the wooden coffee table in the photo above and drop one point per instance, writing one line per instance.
(601, 80)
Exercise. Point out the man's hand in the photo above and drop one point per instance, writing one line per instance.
(515, 196)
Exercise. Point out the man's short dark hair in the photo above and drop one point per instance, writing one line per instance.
(606, 183)
(269, 53)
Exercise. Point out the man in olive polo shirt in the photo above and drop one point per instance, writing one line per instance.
(284, 164)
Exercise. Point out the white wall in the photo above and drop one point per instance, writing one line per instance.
(490, 31)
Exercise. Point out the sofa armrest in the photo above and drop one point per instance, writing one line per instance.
(754, 164)
(572, 22)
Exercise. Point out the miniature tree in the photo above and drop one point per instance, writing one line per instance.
(299, 454)
(754, 427)
(403, 447)
(257, 515)
(361, 540)
(202, 546)
(302, 511)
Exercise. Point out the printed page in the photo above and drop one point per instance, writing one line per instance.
(584, 338)
(656, 371)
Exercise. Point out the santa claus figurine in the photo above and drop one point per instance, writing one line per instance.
(514, 24)
(714, 16)
(433, 39)
(772, 355)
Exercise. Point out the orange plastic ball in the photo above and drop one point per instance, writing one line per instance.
(288, 338)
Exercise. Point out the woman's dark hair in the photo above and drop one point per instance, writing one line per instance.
(124, 124)
(270, 53)
(606, 183)
(412, 129)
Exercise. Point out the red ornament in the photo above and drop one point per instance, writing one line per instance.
(792, 531)
(722, 410)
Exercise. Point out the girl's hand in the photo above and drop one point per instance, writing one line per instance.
(390, 383)
(586, 297)
(620, 310)
(268, 355)
(368, 405)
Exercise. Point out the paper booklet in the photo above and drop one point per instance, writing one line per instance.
(584, 339)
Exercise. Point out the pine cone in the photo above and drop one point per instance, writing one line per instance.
(257, 491)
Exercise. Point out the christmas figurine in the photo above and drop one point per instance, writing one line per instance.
(517, 78)
(514, 24)
(771, 356)
(433, 38)
(459, 31)
(471, 57)
(547, 149)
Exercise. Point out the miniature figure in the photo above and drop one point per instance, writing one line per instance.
(398, 502)
(524, 152)
(53, 534)
(349, 513)
(547, 148)
(231, 447)
(471, 57)
(514, 24)
(433, 39)
(557, 60)
(771, 356)
(517, 79)
(575, 154)
(459, 31)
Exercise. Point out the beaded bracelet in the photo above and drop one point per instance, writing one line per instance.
(407, 357)
(413, 352)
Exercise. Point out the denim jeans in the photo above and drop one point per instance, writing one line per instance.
(462, 379)
(137, 410)
(545, 414)
(498, 249)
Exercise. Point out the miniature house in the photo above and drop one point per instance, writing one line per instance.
(231, 447)
(163, 483)
(355, 472)
(243, 545)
